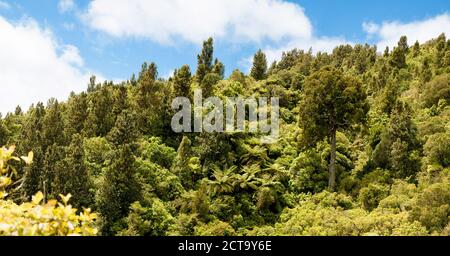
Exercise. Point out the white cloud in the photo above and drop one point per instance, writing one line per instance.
(388, 33)
(66, 5)
(370, 27)
(4, 5)
(35, 67)
(193, 21)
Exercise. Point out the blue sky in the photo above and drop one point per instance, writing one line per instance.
(107, 38)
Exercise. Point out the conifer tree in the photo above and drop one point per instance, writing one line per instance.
(74, 177)
(53, 125)
(124, 130)
(398, 58)
(182, 81)
(75, 114)
(32, 140)
(259, 68)
(440, 51)
(205, 60)
(416, 49)
(119, 190)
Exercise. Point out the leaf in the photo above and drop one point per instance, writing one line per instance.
(28, 159)
(36, 199)
(66, 198)
(3, 194)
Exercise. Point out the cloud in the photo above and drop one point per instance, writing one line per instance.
(388, 33)
(4, 5)
(66, 5)
(370, 27)
(35, 67)
(167, 21)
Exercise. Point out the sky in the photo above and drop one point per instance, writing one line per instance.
(49, 48)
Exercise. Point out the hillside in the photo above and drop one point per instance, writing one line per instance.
(112, 147)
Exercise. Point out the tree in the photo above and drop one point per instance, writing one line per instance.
(100, 118)
(416, 49)
(52, 125)
(205, 59)
(150, 100)
(124, 131)
(440, 51)
(182, 81)
(436, 90)
(426, 74)
(120, 96)
(181, 166)
(74, 178)
(397, 147)
(153, 220)
(259, 68)
(118, 190)
(386, 52)
(398, 58)
(75, 114)
(32, 139)
(437, 149)
(223, 182)
(331, 101)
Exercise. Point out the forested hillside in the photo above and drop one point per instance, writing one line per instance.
(364, 149)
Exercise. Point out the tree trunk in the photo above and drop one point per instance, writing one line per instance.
(332, 168)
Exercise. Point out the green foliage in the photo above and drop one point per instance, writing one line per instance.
(259, 68)
(215, 228)
(182, 81)
(119, 190)
(205, 59)
(331, 101)
(436, 90)
(437, 149)
(374, 128)
(154, 220)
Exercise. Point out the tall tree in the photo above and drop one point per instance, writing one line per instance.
(75, 114)
(119, 190)
(124, 131)
(398, 58)
(182, 81)
(416, 49)
(74, 178)
(32, 140)
(149, 99)
(100, 118)
(205, 59)
(331, 101)
(440, 51)
(53, 125)
(259, 68)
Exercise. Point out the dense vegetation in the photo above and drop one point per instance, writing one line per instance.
(364, 149)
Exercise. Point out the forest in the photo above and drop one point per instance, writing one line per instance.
(363, 149)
